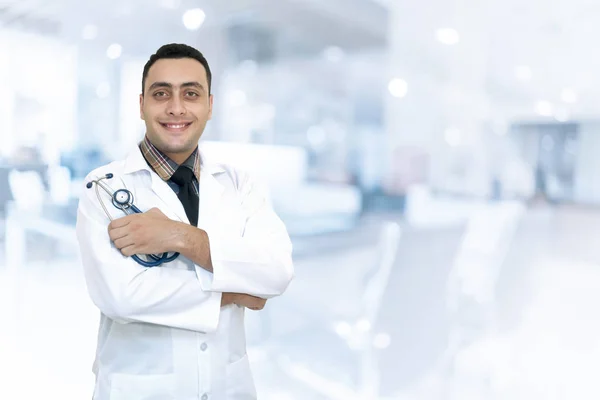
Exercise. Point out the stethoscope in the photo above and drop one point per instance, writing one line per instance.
(123, 200)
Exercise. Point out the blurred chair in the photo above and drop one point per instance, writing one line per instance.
(332, 344)
(484, 248)
(470, 300)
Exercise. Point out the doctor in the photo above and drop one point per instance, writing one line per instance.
(177, 331)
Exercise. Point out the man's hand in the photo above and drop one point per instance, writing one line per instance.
(244, 300)
(151, 232)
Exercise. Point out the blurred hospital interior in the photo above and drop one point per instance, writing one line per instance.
(435, 163)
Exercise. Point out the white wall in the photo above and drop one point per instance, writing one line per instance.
(131, 127)
(40, 73)
(446, 93)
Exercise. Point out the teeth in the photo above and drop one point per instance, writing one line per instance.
(176, 126)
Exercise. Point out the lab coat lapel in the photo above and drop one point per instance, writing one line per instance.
(168, 196)
(174, 209)
(210, 194)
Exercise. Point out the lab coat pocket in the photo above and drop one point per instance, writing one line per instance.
(240, 383)
(142, 387)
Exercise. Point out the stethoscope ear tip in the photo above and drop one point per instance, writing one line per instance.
(89, 185)
(109, 176)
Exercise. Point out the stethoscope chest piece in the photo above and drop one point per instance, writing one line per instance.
(122, 198)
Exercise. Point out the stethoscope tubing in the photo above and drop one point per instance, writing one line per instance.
(128, 208)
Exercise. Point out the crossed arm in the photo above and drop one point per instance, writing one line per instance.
(229, 269)
(153, 233)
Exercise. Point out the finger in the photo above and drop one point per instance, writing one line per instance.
(257, 307)
(128, 251)
(118, 233)
(123, 242)
(262, 304)
(120, 222)
(255, 303)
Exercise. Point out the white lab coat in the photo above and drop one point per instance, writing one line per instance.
(163, 334)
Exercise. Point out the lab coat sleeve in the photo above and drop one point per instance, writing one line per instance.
(127, 292)
(258, 262)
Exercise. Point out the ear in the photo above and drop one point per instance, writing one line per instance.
(210, 106)
(141, 106)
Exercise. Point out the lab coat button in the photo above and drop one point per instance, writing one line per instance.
(204, 396)
(203, 347)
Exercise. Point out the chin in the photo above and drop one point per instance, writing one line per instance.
(177, 146)
(173, 142)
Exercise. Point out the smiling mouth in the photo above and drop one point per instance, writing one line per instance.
(176, 127)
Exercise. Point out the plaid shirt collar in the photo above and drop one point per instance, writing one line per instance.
(163, 165)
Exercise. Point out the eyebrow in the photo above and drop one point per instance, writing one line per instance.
(170, 86)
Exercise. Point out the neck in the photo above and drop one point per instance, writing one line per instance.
(179, 158)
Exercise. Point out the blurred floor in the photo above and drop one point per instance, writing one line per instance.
(545, 310)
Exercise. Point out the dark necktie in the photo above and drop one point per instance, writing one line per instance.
(183, 177)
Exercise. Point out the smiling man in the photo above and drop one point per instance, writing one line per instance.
(176, 331)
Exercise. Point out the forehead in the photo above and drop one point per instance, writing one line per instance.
(177, 71)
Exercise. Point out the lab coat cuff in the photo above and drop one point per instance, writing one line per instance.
(221, 254)
(241, 266)
(213, 304)
(214, 282)
(213, 311)
(205, 277)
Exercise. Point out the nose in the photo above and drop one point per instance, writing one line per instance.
(176, 107)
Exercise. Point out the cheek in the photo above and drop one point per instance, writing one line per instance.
(203, 112)
(150, 113)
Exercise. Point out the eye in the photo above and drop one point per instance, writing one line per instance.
(160, 94)
(192, 94)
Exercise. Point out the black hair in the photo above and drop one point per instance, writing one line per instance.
(177, 51)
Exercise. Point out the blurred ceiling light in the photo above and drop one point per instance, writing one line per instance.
(114, 51)
(103, 90)
(544, 108)
(382, 341)
(398, 87)
(333, 54)
(568, 96)
(89, 32)
(523, 72)
(193, 19)
(452, 136)
(447, 36)
(343, 328)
